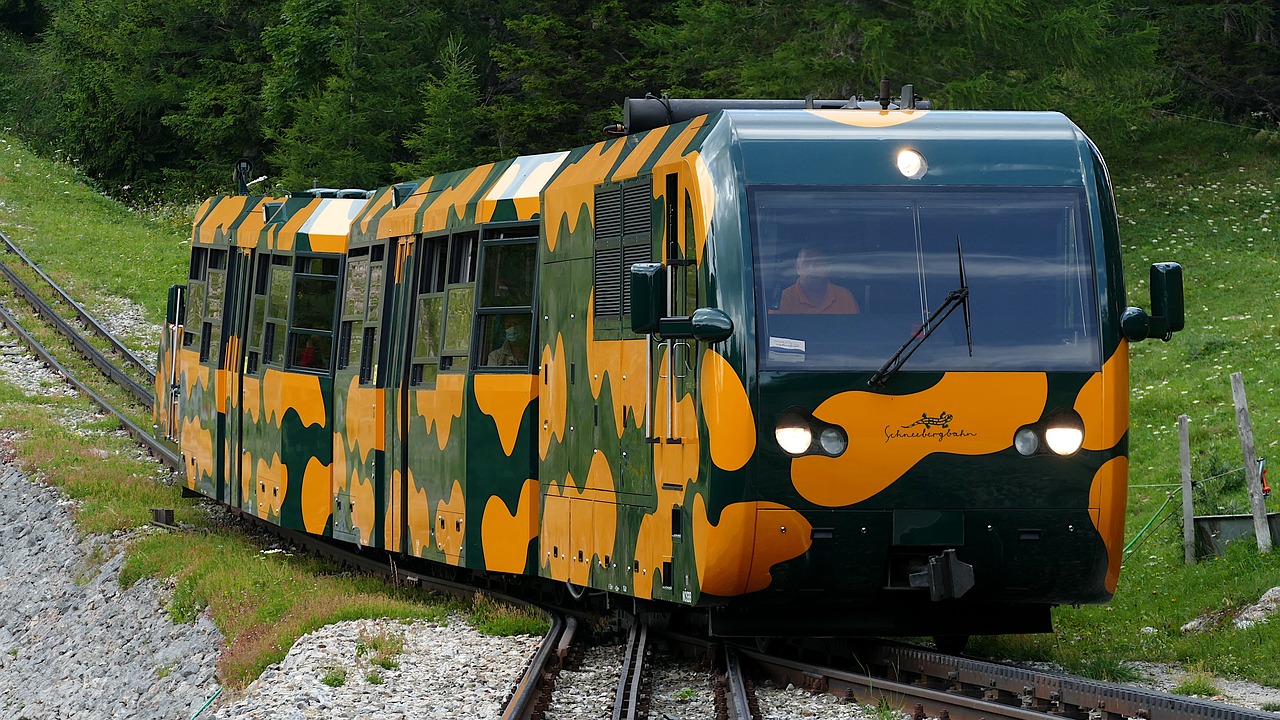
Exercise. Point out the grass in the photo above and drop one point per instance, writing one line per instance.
(495, 618)
(1216, 212)
(261, 603)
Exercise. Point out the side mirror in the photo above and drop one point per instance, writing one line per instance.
(1168, 313)
(711, 325)
(648, 297)
(1167, 306)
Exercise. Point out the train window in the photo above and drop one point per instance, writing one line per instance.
(261, 281)
(846, 275)
(218, 259)
(307, 265)
(206, 340)
(278, 307)
(377, 253)
(195, 311)
(505, 340)
(315, 290)
(427, 342)
(310, 350)
(508, 277)
(377, 271)
(344, 345)
(366, 355)
(457, 326)
(431, 278)
(462, 257)
(251, 363)
(357, 286)
(269, 343)
(199, 263)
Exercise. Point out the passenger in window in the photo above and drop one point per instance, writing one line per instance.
(514, 349)
(813, 292)
(309, 357)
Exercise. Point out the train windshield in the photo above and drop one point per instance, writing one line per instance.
(846, 276)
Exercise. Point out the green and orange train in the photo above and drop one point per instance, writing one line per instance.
(819, 369)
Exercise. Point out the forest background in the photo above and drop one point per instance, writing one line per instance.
(159, 98)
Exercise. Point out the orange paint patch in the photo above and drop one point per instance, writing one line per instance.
(505, 399)
(452, 202)
(888, 434)
(872, 118)
(440, 406)
(285, 390)
(1103, 402)
(364, 507)
(364, 424)
(273, 480)
(450, 533)
(735, 555)
(418, 507)
(1108, 496)
(731, 427)
(506, 535)
(553, 405)
(574, 188)
(637, 156)
(317, 488)
(197, 445)
(219, 219)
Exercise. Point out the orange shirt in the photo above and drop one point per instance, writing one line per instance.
(838, 301)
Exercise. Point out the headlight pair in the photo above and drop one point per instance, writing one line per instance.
(797, 429)
(1062, 433)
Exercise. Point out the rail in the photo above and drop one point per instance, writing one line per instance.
(83, 314)
(632, 697)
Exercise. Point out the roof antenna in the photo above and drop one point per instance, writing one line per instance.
(884, 93)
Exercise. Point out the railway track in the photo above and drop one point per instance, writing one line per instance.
(925, 683)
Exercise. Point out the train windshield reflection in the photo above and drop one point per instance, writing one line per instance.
(845, 276)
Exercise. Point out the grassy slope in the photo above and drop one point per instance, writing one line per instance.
(1195, 193)
(1205, 196)
(261, 602)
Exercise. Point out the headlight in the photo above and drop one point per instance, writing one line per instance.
(1026, 441)
(833, 441)
(912, 164)
(793, 436)
(1064, 431)
(1063, 440)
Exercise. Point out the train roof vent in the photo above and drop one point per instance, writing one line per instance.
(649, 112)
(348, 193)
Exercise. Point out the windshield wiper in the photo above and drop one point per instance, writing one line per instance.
(956, 298)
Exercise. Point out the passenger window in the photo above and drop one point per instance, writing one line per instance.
(315, 294)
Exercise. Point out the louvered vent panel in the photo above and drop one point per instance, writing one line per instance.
(631, 255)
(636, 210)
(608, 281)
(608, 217)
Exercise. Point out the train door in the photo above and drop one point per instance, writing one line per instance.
(268, 305)
(359, 451)
(397, 328)
(235, 327)
(202, 423)
(673, 424)
(423, 414)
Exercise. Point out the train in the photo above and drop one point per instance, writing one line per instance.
(797, 367)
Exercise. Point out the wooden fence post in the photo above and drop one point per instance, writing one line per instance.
(1254, 482)
(1188, 511)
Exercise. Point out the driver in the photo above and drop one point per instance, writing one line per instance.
(812, 292)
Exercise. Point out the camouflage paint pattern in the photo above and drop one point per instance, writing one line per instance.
(550, 470)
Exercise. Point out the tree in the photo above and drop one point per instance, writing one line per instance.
(450, 129)
(337, 106)
(1226, 54)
